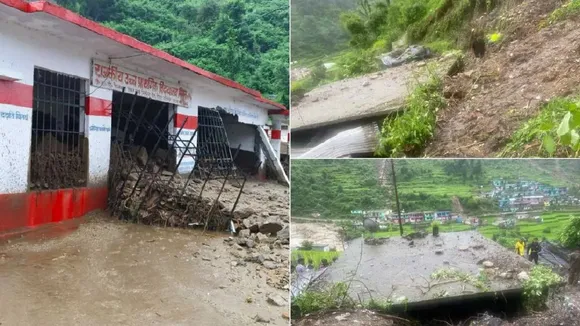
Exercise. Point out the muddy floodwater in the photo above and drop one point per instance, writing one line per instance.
(319, 233)
(111, 273)
(398, 269)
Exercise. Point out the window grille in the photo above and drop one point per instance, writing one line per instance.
(58, 156)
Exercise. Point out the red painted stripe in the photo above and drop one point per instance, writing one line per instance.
(191, 123)
(14, 93)
(42, 207)
(276, 134)
(98, 107)
(71, 17)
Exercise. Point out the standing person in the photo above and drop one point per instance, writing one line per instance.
(520, 247)
(534, 250)
(574, 267)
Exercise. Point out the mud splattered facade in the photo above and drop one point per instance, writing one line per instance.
(61, 79)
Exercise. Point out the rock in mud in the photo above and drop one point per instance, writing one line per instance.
(243, 213)
(244, 233)
(270, 264)
(523, 276)
(276, 300)
(261, 319)
(271, 227)
(487, 264)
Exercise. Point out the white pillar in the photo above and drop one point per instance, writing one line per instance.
(276, 136)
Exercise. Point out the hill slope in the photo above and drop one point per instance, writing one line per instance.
(335, 187)
(244, 40)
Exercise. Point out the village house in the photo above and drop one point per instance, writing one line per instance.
(69, 86)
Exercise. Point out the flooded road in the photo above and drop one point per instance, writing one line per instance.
(112, 273)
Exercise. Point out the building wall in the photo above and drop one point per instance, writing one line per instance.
(22, 50)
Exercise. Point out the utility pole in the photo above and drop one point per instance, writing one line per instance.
(396, 195)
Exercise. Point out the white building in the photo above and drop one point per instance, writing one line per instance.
(63, 76)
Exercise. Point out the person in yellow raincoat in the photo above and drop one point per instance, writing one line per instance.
(520, 247)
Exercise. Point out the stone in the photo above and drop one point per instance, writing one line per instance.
(276, 300)
(140, 154)
(523, 276)
(463, 248)
(244, 233)
(284, 234)
(269, 264)
(247, 223)
(270, 227)
(487, 264)
(250, 243)
(133, 176)
(421, 64)
(206, 258)
(243, 213)
(342, 317)
(366, 83)
(262, 238)
(261, 319)
(439, 252)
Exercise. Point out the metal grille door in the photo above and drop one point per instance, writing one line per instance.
(215, 155)
(57, 151)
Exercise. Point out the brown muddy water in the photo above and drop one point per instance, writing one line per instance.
(112, 273)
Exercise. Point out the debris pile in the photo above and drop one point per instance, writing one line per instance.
(55, 164)
(146, 193)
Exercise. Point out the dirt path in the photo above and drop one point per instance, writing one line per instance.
(507, 88)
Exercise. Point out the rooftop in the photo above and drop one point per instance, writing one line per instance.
(49, 17)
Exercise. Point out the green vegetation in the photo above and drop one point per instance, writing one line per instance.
(554, 132)
(536, 289)
(570, 235)
(314, 257)
(480, 282)
(332, 297)
(409, 131)
(245, 40)
(334, 188)
(567, 10)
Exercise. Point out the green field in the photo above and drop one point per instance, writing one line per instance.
(314, 257)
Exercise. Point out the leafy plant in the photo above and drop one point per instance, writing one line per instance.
(567, 10)
(536, 288)
(555, 131)
(570, 236)
(323, 300)
(408, 132)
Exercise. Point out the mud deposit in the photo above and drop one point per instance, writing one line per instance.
(114, 273)
(499, 93)
(398, 269)
(347, 318)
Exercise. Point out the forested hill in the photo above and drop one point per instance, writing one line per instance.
(335, 187)
(244, 40)
(316, 27)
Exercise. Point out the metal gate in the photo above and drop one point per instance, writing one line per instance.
(215, 155)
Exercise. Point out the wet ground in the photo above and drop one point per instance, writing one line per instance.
(397, 269)
(112, 273)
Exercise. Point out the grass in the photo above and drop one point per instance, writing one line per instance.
(407, 133)
(537, 136)
(315, 257)
(568, 10)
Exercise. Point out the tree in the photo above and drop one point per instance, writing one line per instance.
(570, 236)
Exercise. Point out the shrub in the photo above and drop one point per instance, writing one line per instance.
(536, 289)
(327, 299)
(408, 132)
(547, 230)
(357, 62)
(570, 235)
